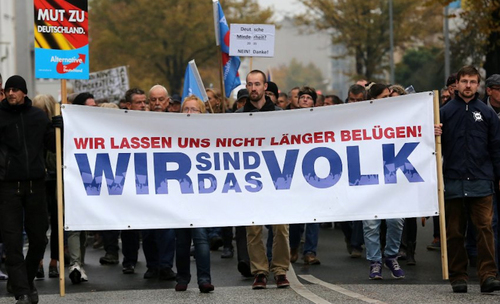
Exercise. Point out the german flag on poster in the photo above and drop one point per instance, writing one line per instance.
(61, 39)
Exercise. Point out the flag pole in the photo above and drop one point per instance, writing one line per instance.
(442, 220)
(60, 205)
(221, 75)
(215, 6)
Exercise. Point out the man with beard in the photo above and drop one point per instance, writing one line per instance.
(471, 153)
(158, 98)
(25, 133)
(260, 266)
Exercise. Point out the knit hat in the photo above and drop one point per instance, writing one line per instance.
(308, 91)
(16, 82)
(272, 87)
(81, 98)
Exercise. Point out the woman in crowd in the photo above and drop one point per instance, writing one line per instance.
(214, 103)
(193, 105)
(47, 103)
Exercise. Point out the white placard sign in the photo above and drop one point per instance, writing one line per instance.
(149, 170)
(252, 40)
(108, 84)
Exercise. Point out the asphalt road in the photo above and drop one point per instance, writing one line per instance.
(339, 279)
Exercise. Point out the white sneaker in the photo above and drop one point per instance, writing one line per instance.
(84, 277)
(3, 276)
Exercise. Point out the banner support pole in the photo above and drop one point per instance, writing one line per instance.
(442, 220)
(60, 205)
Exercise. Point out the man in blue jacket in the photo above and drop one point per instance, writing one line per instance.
(471, 152)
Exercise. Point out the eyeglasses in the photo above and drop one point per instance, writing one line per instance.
(15, 90)
(190, 110)
(466, 82)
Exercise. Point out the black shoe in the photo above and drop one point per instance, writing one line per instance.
(40, 273)
(75, 274)
(244, 269)
(9, 287)
(491, 284)
(216, 242)
(34, 295)
(24, 299)
(227, 253)
(459, 286)
(206, 287)
(167, 274)
(151, 273)
(109, 259)
(129, 269)
(53, 272)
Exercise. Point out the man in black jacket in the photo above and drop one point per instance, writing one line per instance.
(260, 266)
(471, 152)
(24, 133)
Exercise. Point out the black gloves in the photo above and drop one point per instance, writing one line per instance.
(57, 121)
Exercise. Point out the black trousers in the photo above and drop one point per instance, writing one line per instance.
(22, 205)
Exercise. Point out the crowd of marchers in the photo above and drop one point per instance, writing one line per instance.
(470, 133)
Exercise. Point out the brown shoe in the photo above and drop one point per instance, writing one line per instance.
(294, 255)
(310, 259)
(281, 281)
(260, 281)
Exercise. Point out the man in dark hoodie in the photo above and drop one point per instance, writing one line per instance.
(25, 132)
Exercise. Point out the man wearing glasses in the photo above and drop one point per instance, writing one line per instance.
(471, 153)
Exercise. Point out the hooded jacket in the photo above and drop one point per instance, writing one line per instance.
(470, 140)
(25, 131)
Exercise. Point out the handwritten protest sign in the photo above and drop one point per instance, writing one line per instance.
(106, 84)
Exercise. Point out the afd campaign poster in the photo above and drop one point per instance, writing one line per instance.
(61, 39)
(140, 170)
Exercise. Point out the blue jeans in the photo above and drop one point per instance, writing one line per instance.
(311, 239)
(214, 232)
(201, 251)
(371, 229)
(159, 248)
(353, 232)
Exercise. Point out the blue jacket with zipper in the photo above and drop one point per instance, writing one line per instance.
(470, 140)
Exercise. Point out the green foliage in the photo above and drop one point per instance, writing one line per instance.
(423, 68)
(157, 39)
(476, 41)
(363, 27)
(296, 74)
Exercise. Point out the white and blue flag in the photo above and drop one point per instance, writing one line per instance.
(193, 84)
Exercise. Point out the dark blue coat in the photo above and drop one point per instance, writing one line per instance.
(470, 140)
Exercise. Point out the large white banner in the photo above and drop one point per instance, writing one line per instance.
(136, 170)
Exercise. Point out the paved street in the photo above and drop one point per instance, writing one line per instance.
(339, 279)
